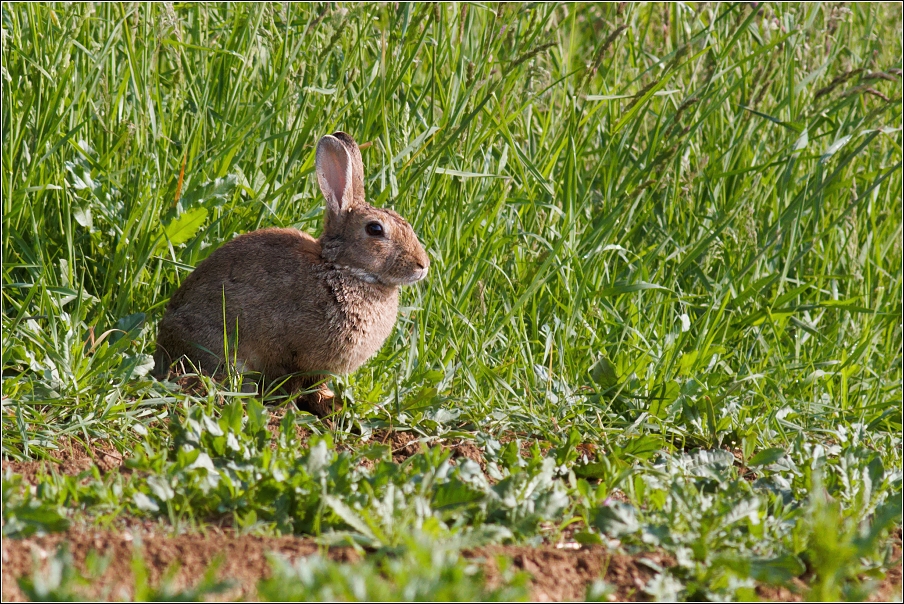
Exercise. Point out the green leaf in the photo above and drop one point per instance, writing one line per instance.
(885, 517)
(453, 494)
(627, 288)
(773, 571)
(594, 469)
(184, 227)
(160, 488)
(603, 373)
(802, 141)
(30, 519)
(617, 519)
(352, 518)
(145, 503)
(567, 453)
(642, 447)
(767, 456)
(464, 174)
(834, 148)
(588, 538)
(614, 97)
(128, 326)
(790, 125)
(213, 192)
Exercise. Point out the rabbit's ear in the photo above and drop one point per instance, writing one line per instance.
(357, 165)
(335, 174)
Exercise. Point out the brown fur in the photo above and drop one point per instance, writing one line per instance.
(290, 303)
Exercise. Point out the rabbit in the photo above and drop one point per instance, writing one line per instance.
(291, 304)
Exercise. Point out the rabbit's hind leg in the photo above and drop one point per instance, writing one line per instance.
(321, 401)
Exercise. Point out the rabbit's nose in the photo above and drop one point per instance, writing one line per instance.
(423, 261)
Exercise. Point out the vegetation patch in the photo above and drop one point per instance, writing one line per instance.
(657, 355)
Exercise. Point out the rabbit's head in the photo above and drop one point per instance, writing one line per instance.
(373, 244)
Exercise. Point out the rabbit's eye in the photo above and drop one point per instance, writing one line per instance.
(374, 229)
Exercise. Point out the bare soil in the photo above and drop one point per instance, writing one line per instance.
(243, 558)
(557, 573)
(563, 572)
(72, 458)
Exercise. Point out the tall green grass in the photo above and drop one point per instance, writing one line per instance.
(707, 199)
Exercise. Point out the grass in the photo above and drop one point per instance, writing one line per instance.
(657, 233)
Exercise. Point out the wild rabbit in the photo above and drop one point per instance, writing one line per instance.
(291, 304)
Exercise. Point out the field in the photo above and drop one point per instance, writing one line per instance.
(658, 354)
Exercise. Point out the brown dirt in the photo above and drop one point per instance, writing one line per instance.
(190, 383)
(890, 588)
(772, 593)
(557, 572)
(243, 558)
(743, 471)
(406, 444)
(402, 444)
(72, 458)
(564, 571)
(468, 450)
(276, 416)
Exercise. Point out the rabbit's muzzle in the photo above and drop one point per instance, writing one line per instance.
(418, 274)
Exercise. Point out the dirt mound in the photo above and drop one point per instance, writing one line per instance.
(402, 444)
(468, 450)
(564, 571)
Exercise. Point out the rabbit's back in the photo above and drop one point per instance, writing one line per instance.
(283, 309)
